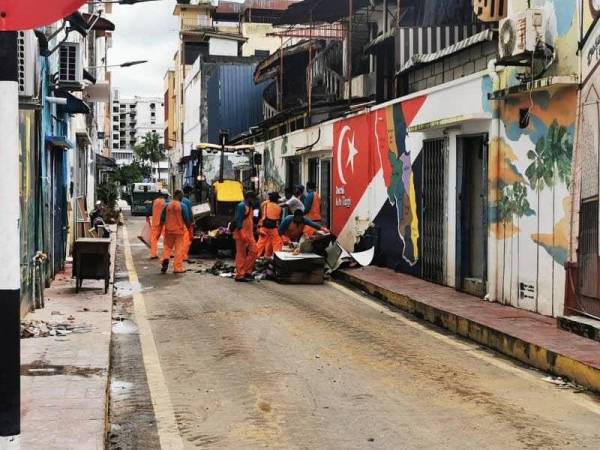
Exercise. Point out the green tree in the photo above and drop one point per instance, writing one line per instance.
(132, 173)
(150, 151)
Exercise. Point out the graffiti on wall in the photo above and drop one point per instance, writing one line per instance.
(370, 157)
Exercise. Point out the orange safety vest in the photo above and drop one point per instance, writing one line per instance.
(248, 223)
(295, 232)
(270, 211)
(315, 210)
(174, 223)
(157, 208)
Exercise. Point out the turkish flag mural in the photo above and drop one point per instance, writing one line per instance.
(371, 162)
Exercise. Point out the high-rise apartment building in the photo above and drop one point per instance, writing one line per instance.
(132, 119)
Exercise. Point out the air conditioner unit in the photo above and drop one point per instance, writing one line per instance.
(27, 52)
(70, 68)
(521, 34)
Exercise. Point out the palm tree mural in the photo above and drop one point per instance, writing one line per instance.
(550, 164)
(514, 204)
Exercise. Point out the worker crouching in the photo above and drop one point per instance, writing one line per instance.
(245, 244)
(176, 220)
(269, 240)
(295, 226)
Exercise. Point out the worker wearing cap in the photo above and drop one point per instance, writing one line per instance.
(294, 227)
(176, 220)
(312, 205)
(269, 240)
(153, 217)
(188, 237)
(245, 245)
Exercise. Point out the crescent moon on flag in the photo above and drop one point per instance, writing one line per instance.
(345, 130)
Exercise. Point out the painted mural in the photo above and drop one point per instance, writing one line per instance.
(370, 156)
(530, 166)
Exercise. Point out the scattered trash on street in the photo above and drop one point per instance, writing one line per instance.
(563, 383)
(40, 328)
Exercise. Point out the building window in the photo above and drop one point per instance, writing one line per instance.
(262, 53)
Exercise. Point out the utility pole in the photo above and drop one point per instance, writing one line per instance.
(10, 277)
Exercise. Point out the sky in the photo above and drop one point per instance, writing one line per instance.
(143, 31)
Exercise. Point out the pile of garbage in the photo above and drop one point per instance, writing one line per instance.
(221, 269)
(40, 329)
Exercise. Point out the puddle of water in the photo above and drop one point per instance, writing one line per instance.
(126, 289)
(124, 327)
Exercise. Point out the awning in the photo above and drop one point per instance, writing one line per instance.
(315, 11)
(102, 162)
(74, 105)
(101, 24)
(417, 60)
(60, 142)
(89, 77)
(269, 67)
(380, 40)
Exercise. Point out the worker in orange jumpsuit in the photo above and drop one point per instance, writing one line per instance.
(176, 220)
(312, 206)
(245, 245)
(294, 227)
(188, 237)
(269, 240)
(153, 217)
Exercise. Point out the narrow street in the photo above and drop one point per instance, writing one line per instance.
(261, 365)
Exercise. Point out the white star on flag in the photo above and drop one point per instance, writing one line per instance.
(352, 152)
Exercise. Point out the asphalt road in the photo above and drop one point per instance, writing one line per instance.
(230, 365)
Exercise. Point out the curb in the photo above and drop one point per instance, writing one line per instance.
(516, 348)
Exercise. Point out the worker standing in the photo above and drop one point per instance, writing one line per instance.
(153, 217)
(188, 237)
(176, 221)
(295, 226)
(245, 245)
(269, 240)
(294, 201)
(312, 205)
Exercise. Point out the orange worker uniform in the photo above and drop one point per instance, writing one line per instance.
(156, 227)
(188, 236)
(245, 245)
(312, 204)
(269, 240)
(175, 227)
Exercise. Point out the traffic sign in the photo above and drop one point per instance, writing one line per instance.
(28, 14)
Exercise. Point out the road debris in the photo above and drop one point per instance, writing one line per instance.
(40, 328)
(563, 383)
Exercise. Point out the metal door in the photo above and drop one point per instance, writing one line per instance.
(59, 213)
(434, 204)
(589, 283)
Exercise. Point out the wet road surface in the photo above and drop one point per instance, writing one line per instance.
(261, 365)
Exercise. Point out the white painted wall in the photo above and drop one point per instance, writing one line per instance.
(222, 47)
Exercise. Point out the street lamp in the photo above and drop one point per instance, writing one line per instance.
(125, 64)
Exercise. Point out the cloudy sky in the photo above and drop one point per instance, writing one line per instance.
(144, 31)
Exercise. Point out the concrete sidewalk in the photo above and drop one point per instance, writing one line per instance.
(64, 379)
(526, 336)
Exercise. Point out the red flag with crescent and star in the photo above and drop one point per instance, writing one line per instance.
(361, 150)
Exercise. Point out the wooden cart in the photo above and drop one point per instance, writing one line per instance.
(91, 261)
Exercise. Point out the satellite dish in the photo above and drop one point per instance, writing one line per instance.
(30, 14)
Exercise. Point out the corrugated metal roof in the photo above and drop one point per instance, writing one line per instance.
(419, 59)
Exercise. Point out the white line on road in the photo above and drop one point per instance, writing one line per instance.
(161, 401)
(472, 349)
